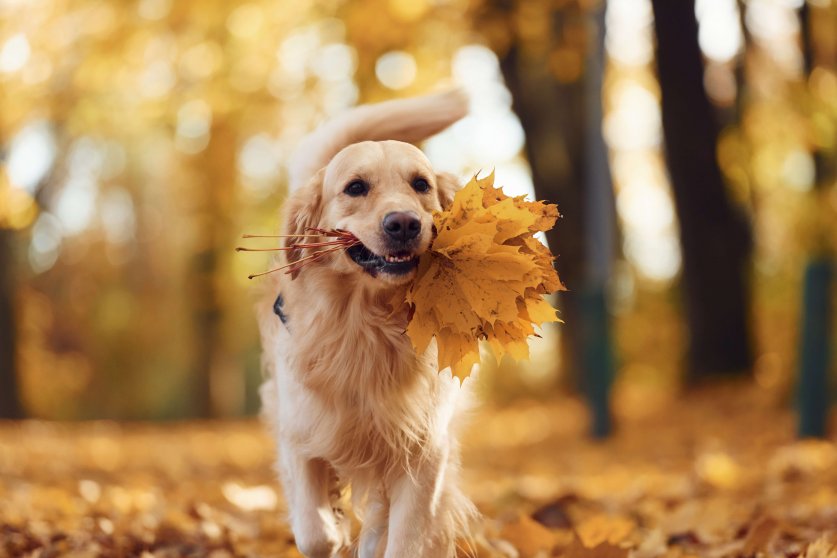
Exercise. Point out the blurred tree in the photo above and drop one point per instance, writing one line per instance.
(553, 64)
(10, 406)
(714, 234)
(537, 42)
(600, 235)
(153, 233)
(817, 312)
(824, 161)
(214, 170)
(740, 70)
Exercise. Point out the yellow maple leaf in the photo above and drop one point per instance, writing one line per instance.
(483, 278)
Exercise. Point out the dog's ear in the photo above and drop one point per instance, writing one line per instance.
(303, 210)
(447, 184)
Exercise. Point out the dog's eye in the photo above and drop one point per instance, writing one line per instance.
(421, 185)
(356, 188)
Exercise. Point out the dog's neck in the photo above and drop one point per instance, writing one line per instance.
(351, 351)
(345, 335)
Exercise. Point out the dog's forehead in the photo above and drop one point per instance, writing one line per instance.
(371, 159)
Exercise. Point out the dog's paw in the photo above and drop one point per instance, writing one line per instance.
(317, 547)
(343, 526)
(323, 542)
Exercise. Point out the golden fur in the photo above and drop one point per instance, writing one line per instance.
(347, 395)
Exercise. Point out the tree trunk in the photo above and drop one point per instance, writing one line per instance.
(600, 237)
(714, 235)
(214, 170)
(10, 406)
(552, 115)
(814, 390)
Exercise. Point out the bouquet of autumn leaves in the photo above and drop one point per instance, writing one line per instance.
(483, 278)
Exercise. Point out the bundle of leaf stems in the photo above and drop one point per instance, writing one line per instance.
(340, 240)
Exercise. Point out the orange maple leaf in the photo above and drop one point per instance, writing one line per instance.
(483, 278)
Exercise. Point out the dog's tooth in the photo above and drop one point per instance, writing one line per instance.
(394, 258)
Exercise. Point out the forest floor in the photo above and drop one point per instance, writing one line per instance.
(716, 473)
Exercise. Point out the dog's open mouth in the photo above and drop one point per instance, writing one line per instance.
(396, 263)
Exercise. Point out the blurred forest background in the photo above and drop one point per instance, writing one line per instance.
(691, 147)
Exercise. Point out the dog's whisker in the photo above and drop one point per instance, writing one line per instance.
(280, 235)
(317, 255)
(297, 264)
(263, 273)
(295, 246)
(268, 272)
(335, 232)
(318, 231)
(339, 240)
(321, 244)
(243, 249)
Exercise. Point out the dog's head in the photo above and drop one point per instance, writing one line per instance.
(384, 193)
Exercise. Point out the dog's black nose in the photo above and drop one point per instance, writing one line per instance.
(402, 225)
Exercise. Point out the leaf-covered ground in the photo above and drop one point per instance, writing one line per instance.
(714, 474)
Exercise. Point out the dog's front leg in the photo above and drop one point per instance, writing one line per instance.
(373, 533)
(420, 525)
(306, 484)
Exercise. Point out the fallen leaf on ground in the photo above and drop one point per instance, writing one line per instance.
(209, 488)
(528, 536)
(553, 515)
(603, 528)
(602, 550)
(823, 547)
(761, 534)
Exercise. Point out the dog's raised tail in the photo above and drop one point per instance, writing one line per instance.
(410, 120)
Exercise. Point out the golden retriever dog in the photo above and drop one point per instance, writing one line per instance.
(351, 404)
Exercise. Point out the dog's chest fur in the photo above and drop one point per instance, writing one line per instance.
(375, 399)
